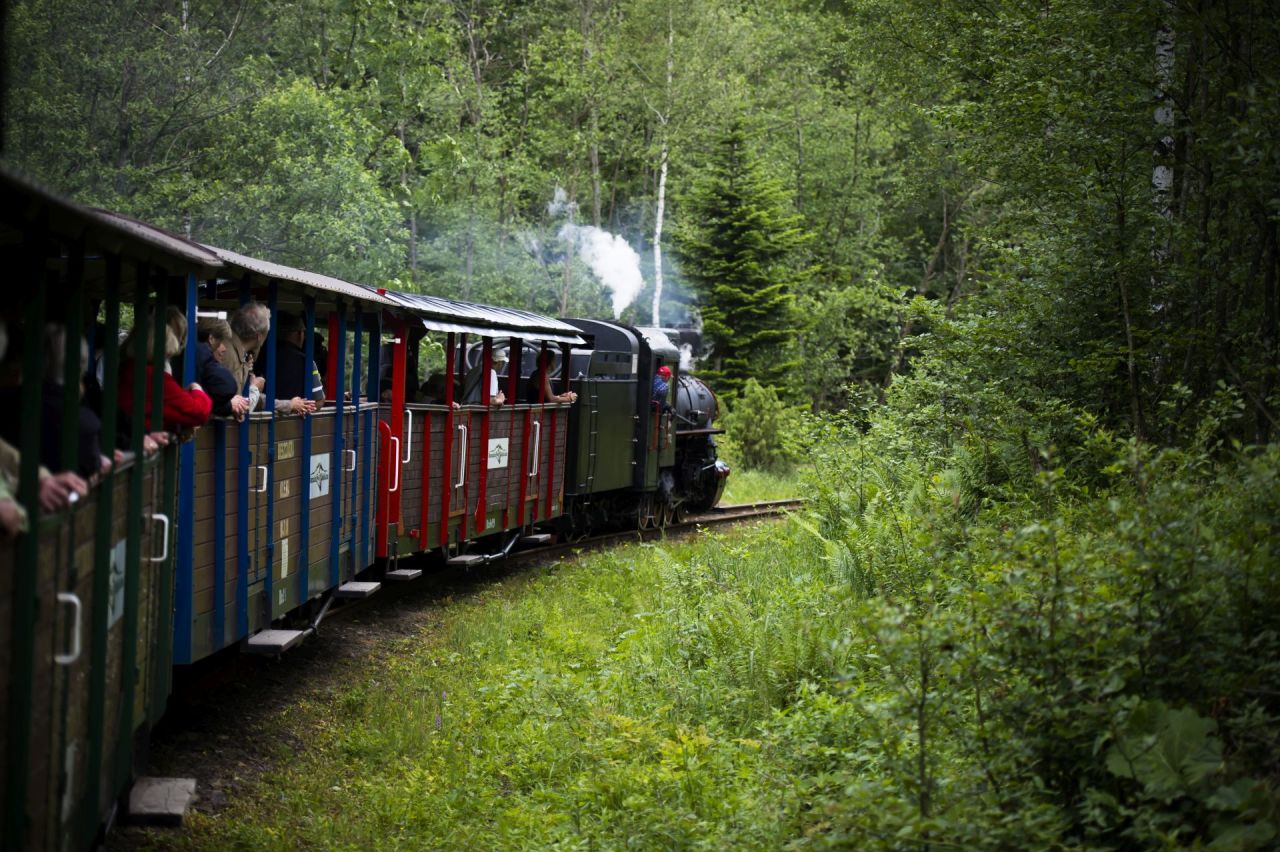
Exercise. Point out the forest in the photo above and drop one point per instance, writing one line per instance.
(996, 278)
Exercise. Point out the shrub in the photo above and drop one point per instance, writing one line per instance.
(763, 433)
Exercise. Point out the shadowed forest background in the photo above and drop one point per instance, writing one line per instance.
(999, 277)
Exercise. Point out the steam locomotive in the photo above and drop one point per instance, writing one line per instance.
(244, 536)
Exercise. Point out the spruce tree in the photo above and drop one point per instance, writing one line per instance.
(737, 243)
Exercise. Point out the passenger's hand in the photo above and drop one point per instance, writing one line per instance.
(259, 382)
(239, 406)
(10, 518)
(118, 456)
(298, 405)
(499, 399)
(61, 490)
(194, 386)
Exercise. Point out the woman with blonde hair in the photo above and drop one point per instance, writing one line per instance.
(184, 409)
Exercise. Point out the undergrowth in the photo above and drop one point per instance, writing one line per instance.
(998, 639)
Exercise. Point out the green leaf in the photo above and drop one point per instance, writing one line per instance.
(1169, 752)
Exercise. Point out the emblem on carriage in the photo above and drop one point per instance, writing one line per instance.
(499, 452)
(319, 475)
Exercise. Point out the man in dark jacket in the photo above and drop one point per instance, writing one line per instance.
(299, 389)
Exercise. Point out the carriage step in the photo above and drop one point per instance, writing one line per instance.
(536, 538)
(356, 589)
(467, 559)
(160, 801)
(274, 641)
(404, 574)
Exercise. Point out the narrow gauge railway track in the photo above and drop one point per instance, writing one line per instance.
(715, 517)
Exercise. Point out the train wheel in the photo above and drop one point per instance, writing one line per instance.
(645, 517)
(668, 515)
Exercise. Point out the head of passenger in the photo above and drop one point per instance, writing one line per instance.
(251, 322)
(500, 360)
(55, 354)
(292, 328)
(216, 334)
(140, 343)
(665, 372)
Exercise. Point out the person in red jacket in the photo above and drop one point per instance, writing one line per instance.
(184, 409)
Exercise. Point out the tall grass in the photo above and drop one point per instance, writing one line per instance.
(755, 486)
(636, 698)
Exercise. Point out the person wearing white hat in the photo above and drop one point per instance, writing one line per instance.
(496, 396)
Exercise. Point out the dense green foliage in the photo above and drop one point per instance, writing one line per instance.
(978, 649)
(1078, 635)
(763, 433)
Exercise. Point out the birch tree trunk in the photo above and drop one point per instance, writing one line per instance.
(662, 174)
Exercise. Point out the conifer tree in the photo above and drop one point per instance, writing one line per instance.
(737, 242)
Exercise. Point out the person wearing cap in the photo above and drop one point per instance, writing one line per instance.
(661, 385)
(496, 396)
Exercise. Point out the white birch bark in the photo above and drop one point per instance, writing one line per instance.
(662, 174)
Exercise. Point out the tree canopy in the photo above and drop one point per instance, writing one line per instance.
(1078, 202)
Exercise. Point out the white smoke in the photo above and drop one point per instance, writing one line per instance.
(686, 358)
(560, 205)
(610, 257)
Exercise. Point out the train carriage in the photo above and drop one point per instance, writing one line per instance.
(462, 469)
(85, 665)
(276, 502)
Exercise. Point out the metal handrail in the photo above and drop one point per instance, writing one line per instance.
(164, 554)
(462, 457)
(396, 464)
(537, 447)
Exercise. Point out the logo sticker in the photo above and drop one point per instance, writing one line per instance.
(499, 452)
(319, 477)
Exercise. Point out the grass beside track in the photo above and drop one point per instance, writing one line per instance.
(754, 486)
(634, 698)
